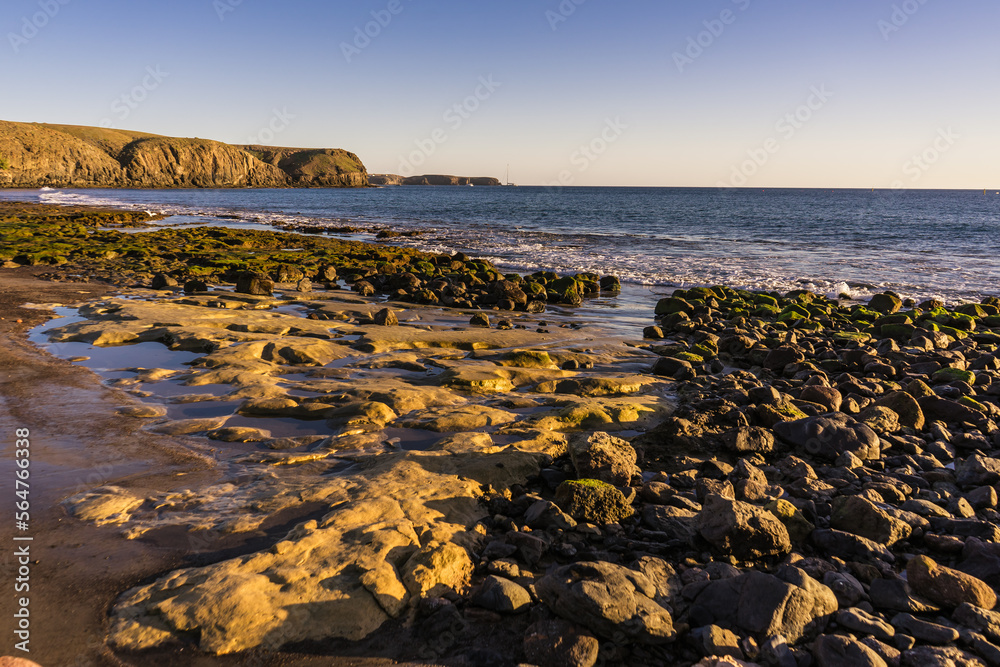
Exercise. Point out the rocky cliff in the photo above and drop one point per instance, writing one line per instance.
(35, 155)
(432, 179)
(314, 167)
(198, 163)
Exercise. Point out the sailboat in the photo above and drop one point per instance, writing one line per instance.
(506, 179)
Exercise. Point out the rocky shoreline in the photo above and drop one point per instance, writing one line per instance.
(759, 479)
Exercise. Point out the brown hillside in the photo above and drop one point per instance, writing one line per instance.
(314, 167)
(34, 155)
(196, 163)
(109, 140)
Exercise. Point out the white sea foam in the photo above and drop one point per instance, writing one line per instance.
(839, 289)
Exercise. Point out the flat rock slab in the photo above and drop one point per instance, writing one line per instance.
(103, 505)
(597, 386)
(386, 339)
(461, 418)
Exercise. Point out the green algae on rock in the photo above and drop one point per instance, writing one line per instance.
(78, 245)
(593, 501)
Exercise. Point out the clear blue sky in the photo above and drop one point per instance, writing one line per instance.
(902, 93)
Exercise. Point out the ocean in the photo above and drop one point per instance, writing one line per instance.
(919, 243)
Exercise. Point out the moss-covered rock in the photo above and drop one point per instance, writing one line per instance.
(799, 528)
(970, 402)
(885, 303)
(672, 305)
(946, 375)
(593, 501)
(528, 359)
(793, 312)
(689, 357)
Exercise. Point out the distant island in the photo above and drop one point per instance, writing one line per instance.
(35, 155)
(432, 179)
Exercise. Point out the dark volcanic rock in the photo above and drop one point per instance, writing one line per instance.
(896, 595)
(559, 643)
(830, 435)
(610, 600)
(480, 320)
(948, 587)
(858, 620)
(850, 546)
(840, 651)
(981, 560)
(258, 284)
(932, 633)
(750, 439)
(604, 457)
(978, 619)
(163, 281)
(828, 397)
(780, 357)
(885, 303)
(192, 286)
(978, 470)
(791, 604)
(948, 410)
(742, 530)
(386, 318)
(860, 516)
(717, 641)
(676, 523)
(906, 407)
(546, 514)
(678, 369)
(364, 288)
(501, 595)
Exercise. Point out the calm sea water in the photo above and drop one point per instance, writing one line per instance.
(921, 244)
